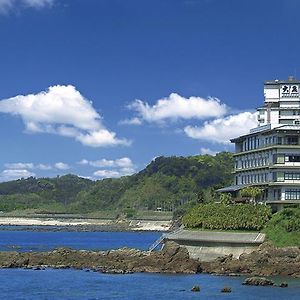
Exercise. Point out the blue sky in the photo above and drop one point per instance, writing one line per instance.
(99, 88)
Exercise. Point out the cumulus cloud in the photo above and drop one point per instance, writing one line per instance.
(19, 166)
(112, 168)
(132, 121)
(114, 173)
(62, 166)
(175, 107)
(29, 166)
(43, 167)
(107, 174)
(208, 151)
(13, 174)
(8, 5)
(221, 130)
(124, 162)
(64, 111)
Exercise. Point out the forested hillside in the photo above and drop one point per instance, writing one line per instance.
(167, 183)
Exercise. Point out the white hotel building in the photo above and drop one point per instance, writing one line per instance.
(269, 155)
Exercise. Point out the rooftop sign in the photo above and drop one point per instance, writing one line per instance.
(289, 91)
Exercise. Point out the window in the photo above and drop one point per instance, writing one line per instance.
(292, 176)
(292, 140)
(292, 194)
(279, 140)
(294, 158)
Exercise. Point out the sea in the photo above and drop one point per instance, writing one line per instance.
(84, 284)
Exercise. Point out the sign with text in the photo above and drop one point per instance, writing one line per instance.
(289, 90)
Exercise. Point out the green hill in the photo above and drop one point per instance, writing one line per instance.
(167, 182)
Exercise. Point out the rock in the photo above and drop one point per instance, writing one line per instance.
(283, 285)
(226, 289)
(173, 259)
(195, 288)
(262, 281)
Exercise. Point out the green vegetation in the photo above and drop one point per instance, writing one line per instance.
(284, 228)
(166, 184)
(251, 192)
(220, 216)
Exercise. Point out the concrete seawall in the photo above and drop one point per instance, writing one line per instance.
(208, 245)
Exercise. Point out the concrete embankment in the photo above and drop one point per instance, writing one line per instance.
(209, 245)
(265, 261)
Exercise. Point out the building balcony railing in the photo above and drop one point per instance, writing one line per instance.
(269, 146)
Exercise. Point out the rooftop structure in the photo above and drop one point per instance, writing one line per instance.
(269, 155)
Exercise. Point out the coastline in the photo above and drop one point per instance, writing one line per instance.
(88, 223)
(268, 261)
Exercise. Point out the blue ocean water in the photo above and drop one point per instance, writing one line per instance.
(74, 284)
(48, 240)
(78, 284)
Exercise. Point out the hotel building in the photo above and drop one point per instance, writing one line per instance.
(269, 155)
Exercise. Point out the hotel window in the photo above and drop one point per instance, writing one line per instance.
(279, 140)
(292, 140)
(279, 158)
(292, 176)
(294, 158)
(292, 194)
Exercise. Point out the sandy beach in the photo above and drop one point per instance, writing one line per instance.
(135, 225)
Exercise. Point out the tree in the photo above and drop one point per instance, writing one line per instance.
(252, 192)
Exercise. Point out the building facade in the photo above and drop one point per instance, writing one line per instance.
(269, 156)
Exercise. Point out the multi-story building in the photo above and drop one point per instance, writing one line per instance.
(269, 155)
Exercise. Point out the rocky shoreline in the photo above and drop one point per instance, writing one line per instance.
(266, 261)
(172, 259)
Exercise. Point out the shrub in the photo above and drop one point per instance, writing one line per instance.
(284, 228)
(130, 212)
(227, 217)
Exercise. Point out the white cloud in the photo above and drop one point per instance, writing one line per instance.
(12, 174)
(114, 173)
(132, 121)
(223, 129)
(30, 166)
(8, 5)
(19, 166)
(43, 167)
(64, 111)
(112, 168)
(107, 174)
(127, 171)
(83, 162)
(177, 107)
(101, 138)
(208, 151)
(38, 3)
(124, 162)
(102, 163)
(62, 166)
